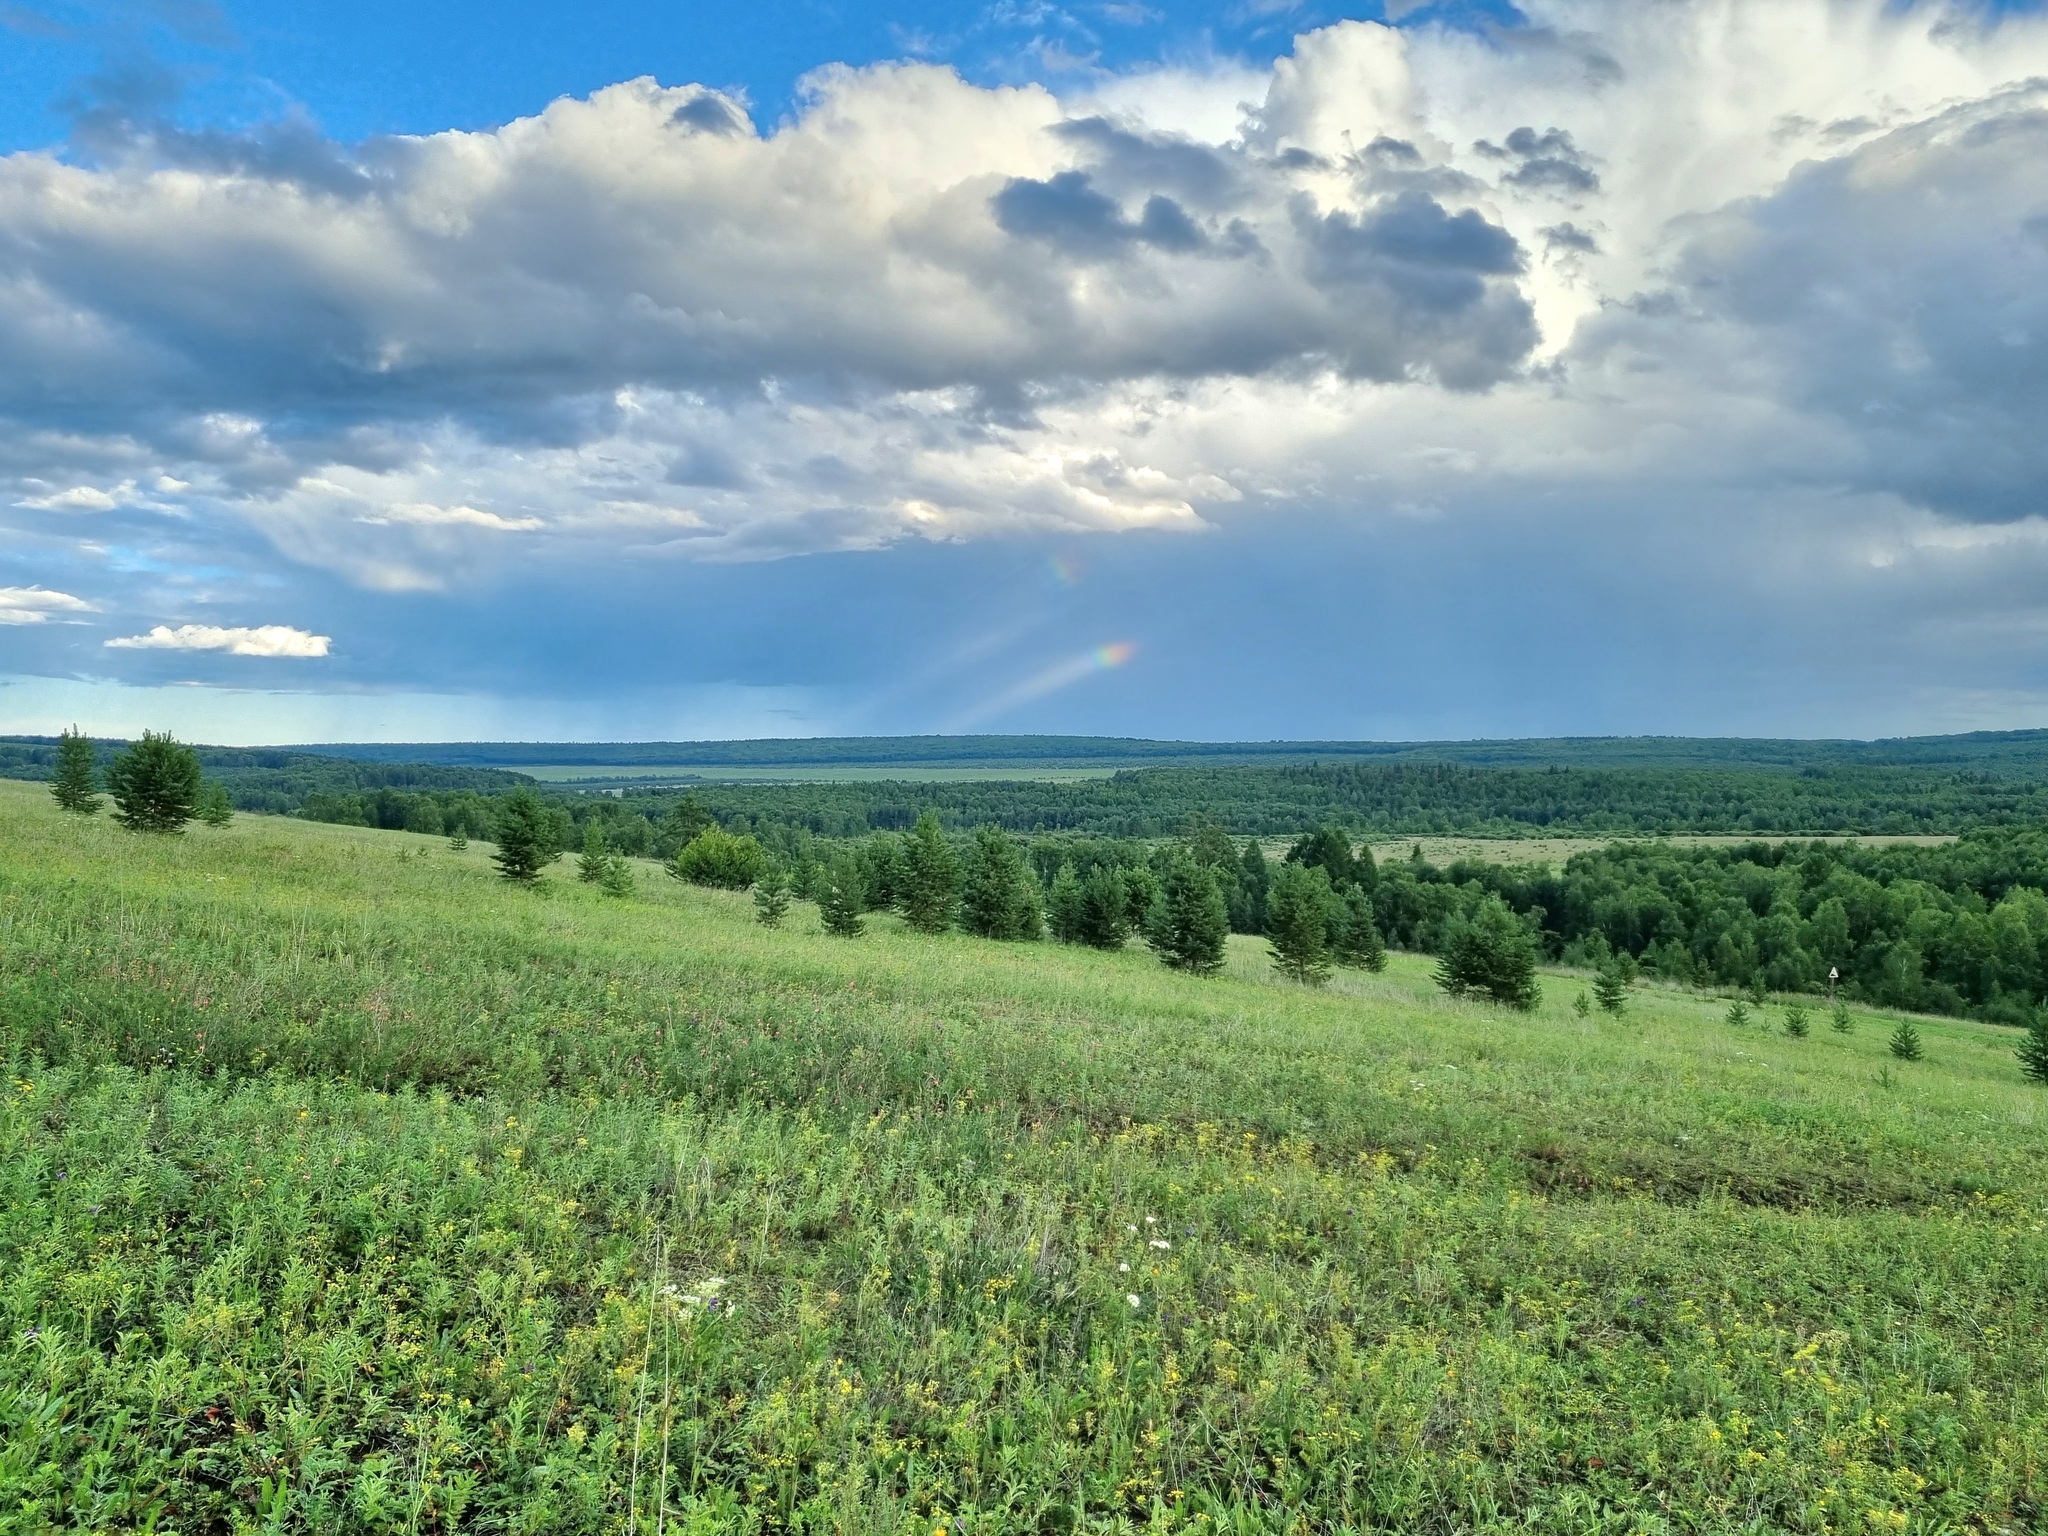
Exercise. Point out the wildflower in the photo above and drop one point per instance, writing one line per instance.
(1133, 1300)
(1160, 1242)
(1151, 1221)
(1123, 1269)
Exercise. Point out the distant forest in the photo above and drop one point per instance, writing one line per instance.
(1396, 799)
(1390, 798)
(2022, 754)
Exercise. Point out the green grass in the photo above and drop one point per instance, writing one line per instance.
(344, 1188)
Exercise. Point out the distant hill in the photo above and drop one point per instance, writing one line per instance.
(2013, 754)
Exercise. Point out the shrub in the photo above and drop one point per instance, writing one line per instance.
(719, 859)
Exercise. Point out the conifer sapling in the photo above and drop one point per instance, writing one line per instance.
(1905, 1041)
(74, 780)
(771, 895)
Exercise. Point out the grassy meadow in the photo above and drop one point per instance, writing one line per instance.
(345, 1188)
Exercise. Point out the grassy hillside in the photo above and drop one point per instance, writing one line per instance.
(344, 1188)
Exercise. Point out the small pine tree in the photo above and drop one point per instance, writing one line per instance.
(1582, 1006)
(1795, 1020)
(771, 896)
(74, 781)
(1492, 953)
(1063, 908)
(155, 784)
(525, 841)
(998, 894)
(617, 878)
(1839, 1020)
(931, 877)
(458, 840)
(1298, 922)
(1611, 983)
(595, 858)
(1357, 941)
(2033, 1051)
(213, 806)
(1254, 879)
(1189, 923)
(1905, 1041)
(1105, 911)
(1738, 1013)
(841, 890)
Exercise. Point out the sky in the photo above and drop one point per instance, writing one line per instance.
(1220, 371)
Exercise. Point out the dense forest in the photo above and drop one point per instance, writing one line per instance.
(1397, 799)
(2022, 754)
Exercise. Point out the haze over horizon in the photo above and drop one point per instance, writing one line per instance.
(1213, 372)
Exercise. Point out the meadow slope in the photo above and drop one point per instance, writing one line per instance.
(344, 1188)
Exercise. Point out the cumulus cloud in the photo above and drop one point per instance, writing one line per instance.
(36, 605)
(1768, 251)
(262, 640)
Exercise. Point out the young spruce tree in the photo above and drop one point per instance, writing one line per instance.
(74, 782)
(842, 891)
(1189, 922)
(931, 877)
(1357, 941)
(525, 840)
(2033, 1051)
(1905, 1041)
(213, 805)
(595, 858)
(1490, 953)
(155, 784)
(1611, 983)
(771, 895)
(998, 894)
(1063, 907)
(1105, 912)
(1298, 909)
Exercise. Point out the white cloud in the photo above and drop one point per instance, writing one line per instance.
(1762, 275)
(263, 640)
(35, 605)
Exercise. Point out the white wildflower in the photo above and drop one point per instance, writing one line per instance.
(1133, 1300)
(1160, 1242)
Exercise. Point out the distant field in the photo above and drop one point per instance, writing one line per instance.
(343, 1187)
(646, 776)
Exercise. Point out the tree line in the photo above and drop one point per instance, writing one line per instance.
(1397, 800)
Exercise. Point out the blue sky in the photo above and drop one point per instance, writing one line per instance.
(1240, 370)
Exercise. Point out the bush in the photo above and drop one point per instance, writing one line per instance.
(1490, 953)
(717, 858)
(155, 784)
